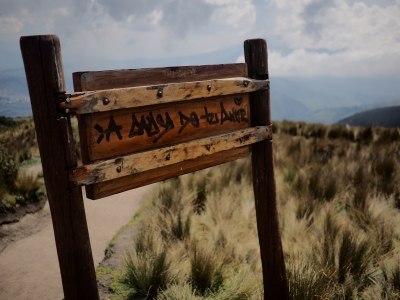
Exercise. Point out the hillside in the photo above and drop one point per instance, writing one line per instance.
(385, 117)
(321, 100)
(339, 209)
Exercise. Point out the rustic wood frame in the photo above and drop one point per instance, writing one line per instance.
(63, 177)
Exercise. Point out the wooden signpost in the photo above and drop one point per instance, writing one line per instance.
(142, 126)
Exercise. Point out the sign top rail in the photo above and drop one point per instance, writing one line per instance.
(129, 97)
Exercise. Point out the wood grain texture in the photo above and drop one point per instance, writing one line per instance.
(96, 80)
(101, 80)
(153, 159)
(45, 77)
(113, 99)
(122, 184)
(274, 274)
(114, 133)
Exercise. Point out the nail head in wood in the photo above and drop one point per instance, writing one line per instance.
(106, 101)
(160, 93)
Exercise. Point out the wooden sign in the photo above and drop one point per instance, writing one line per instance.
(141, 126)
(231, 110)
(114, 133)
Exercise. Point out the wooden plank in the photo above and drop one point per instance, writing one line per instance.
(97, 80)
(118, 185)
(114, 133)
(101, 80)
(45, 77)
(153, 159)
(274, 274)
(113, 99)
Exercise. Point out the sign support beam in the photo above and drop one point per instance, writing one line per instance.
(45, 77)
(274, 275)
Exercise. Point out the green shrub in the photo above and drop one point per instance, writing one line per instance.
(146, 268)
(199, 202)
(387, 136)
(26, 185)
(314, 131)
(8, 170)
(384, 168)
(330, 233)
(321, 186)
(365, 135)
(341, 132)
(307, 281)
(7, 122)
(353, 258)
(206, 275)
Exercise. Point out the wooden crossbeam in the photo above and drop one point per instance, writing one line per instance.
(148, 160)
(112, 99)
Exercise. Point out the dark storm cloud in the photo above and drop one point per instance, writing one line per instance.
(120, 9)
(16, 8)
(178, 16)
(312, 14)
(182, 15)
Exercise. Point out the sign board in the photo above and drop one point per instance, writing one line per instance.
(142, 126)
(112, 133)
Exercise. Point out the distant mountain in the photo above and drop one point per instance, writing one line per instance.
(335, 114)
(14, 99)
(386, 117)
(284, 106)
(322, 100)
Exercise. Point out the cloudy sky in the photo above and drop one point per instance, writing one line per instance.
(306, 38)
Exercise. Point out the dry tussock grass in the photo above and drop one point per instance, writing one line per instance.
(339, 201)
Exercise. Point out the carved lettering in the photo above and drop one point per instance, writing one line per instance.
(233, 115)
(210, 117)
(157, 123)
(112, 127)
(146, 123)
(166, 123)
(185, 120)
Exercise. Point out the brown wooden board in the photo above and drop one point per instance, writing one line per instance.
(101, 80)
(122, 98)
(119, 132)
(153, 159)
(114, 186)
(130, 78)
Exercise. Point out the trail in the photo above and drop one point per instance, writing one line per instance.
(29, 266)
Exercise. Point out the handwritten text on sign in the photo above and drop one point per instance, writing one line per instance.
(127, 131)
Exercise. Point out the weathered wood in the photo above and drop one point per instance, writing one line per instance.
(101, 80)
(44, 73)
(97, 80)
(113, 99)
(153, 159)
(122, 184)
(114, 133)
(274, 274)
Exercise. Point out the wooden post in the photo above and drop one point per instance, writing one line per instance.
(45, 76)
(274, 275)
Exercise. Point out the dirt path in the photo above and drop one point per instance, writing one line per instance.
(29, 267)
